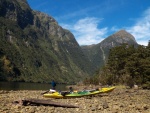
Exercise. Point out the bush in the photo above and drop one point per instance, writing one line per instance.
(146, 85)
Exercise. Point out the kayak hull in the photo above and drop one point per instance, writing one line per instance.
(79, 93)
(53, 95)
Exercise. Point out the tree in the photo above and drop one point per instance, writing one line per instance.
(127, 65)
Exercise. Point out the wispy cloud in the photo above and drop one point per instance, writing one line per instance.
(83, 12)
(90, 10)
(141, 30)
(86, 31)
(41, 5)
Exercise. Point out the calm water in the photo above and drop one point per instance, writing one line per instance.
(28, 86)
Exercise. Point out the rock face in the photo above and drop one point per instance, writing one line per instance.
(18, 11)
(118, 38)
(34, 48)
(98, 53)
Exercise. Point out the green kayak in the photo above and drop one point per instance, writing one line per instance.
(76, 94)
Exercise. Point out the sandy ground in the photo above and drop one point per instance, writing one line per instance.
(121, 100)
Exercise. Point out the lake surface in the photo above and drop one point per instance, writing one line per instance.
(29, 86)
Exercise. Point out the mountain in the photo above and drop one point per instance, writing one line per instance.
(98, 53)
(34, 48)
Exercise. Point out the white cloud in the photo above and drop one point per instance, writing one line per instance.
(86, 31)
(114, 29)
(141, 30)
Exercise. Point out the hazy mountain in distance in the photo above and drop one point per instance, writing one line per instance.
(98, 53)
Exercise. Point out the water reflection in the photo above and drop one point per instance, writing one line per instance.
(29, 86)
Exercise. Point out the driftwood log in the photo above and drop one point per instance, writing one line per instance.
(38, 102)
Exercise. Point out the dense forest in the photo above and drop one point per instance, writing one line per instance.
(126, 65)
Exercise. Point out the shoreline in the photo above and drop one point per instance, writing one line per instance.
(120, 100)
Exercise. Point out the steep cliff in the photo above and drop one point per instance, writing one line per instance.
(34, 48)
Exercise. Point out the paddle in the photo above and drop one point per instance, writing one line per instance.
(45, 92)
(51, 90)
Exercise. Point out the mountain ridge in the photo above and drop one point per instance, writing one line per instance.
(98, 53)
(35, 48)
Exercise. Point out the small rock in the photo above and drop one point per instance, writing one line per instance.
(93, 109)
(105, 105)
(136, 87)
(100, 107)
(138, 107)
(32, 110)
(145, 107)
(115, 107)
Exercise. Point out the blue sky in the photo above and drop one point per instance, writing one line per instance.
(91, 21)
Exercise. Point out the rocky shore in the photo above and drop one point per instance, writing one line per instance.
(121, 100)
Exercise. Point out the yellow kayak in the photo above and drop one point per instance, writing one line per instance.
(53, 95)
(106, 90)
(102, 90)
(78, 93)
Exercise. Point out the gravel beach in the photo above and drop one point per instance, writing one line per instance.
(121, 100)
